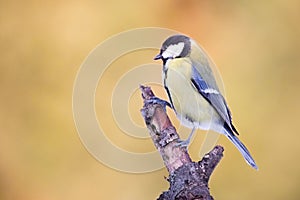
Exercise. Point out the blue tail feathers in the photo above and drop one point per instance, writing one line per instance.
(241, 147)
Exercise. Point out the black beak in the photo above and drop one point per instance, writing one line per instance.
(158, 57)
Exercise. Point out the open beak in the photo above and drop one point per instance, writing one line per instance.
(158, 57)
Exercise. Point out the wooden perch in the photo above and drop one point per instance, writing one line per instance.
(188, 180)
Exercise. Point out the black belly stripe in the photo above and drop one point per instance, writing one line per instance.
(189, 118)
(169, 95)
(165, 70)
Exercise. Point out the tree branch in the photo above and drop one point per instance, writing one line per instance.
(188, 180)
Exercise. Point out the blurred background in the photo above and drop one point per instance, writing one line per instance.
(255, 45)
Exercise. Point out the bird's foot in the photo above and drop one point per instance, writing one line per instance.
(186, 143)
(183, 143)
(156, 100)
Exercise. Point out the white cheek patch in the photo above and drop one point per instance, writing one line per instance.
(173, 50)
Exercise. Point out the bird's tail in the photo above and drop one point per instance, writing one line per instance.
(241, 147)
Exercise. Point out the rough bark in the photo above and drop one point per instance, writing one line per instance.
(188, 179)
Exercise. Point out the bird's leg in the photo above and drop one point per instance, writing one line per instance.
(185, 143)
(156, 100)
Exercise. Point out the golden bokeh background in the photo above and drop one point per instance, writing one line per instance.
(255, 45)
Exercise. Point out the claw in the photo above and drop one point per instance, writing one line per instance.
(156, 100)
(183, 144)
(186, 143)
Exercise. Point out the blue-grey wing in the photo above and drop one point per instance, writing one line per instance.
(212, 94)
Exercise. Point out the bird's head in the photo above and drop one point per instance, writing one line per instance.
(176, 46)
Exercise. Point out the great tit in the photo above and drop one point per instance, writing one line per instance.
(193, 91)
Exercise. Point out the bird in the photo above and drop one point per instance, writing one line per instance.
(193, 91)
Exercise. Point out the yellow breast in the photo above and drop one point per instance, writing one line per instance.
(190, 106)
